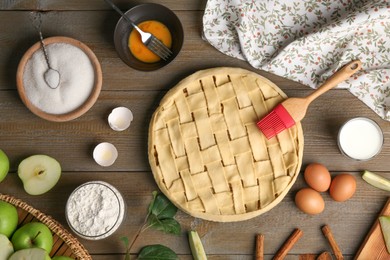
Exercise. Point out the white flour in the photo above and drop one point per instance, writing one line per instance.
(76, 78)
(95, 210)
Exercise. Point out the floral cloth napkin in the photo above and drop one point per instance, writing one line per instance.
(308, 40)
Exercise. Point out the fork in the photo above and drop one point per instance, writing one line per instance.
(148, 39)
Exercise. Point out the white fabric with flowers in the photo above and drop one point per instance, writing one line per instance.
(308, 40)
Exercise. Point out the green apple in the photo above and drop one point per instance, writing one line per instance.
(8, 218)
(4, 165)
(39, 173)
(33, 234)
(30, 254)
(62, 258)
(6, 247)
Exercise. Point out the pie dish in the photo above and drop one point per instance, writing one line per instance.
(207, 154)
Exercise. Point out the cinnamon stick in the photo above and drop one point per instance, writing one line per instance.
(290, 242)
(335, 248)
(259, 247)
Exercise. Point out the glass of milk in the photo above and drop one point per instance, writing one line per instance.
(360, 138)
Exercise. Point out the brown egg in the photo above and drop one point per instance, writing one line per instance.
(343, 187)
(309, 201)
(317, 177)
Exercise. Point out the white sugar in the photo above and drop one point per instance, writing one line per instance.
(76, 79)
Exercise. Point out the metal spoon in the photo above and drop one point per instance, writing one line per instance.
(51, 76)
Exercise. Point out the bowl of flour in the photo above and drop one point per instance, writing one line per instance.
(95, 210)
(80, 79)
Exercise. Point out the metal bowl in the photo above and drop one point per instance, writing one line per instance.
(142, 13)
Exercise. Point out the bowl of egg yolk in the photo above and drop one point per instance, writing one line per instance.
(153, 18)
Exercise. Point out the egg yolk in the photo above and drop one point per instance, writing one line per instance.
(139, 50)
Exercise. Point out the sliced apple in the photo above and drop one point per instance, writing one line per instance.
(30, 254)
(196, 246)
(384, 222)
(6, 247)
(376, 180)
(39, 173)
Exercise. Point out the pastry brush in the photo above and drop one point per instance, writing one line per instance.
(293, 110)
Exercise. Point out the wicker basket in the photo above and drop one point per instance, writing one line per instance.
(64, 243)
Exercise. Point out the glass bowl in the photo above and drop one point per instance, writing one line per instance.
(95, 210)
(360, 138)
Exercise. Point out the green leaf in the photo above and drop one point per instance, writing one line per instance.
(168, 225)
(151, 205)
(161, 213)
(162, 208)
(157, 252)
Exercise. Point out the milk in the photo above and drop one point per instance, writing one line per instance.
(360, 138)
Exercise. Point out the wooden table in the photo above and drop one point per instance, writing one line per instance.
(93, 22)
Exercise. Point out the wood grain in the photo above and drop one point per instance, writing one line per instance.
(96, 30)
(47, 5)
(374, 246)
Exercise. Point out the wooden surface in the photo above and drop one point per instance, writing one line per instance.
(374, 245)
(93, 22)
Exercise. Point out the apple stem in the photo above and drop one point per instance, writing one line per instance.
(140, 230)
(39, 232)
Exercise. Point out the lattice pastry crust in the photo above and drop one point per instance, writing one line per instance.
(207, 154)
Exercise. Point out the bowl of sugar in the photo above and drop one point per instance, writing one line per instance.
(153, 18)
(79, 83)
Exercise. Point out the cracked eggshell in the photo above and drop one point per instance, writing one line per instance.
(105, 154)
(120, 118)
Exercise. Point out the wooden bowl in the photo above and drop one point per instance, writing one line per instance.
(82, 108)
(65, 243)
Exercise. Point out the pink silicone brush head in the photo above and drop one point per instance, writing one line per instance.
(275, 122)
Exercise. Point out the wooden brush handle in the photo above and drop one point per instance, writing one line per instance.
(342, 74)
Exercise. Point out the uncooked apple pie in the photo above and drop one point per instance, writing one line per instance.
(207, 154)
